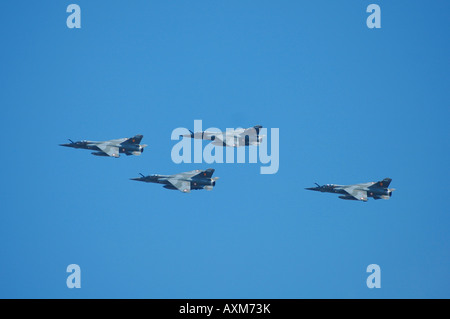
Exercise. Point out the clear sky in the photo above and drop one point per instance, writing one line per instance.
(352, 105)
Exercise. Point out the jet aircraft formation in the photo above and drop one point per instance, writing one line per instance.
(185, 181)
(202, 179)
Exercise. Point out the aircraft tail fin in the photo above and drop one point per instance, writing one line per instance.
(206, 173)
(134, 140)
(384, 183)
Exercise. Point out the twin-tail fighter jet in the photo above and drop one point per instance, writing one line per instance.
(231, 138)
(128, 146)
(377, 190)
(184, 182)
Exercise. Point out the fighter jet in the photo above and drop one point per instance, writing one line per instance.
(377, 190)
(129, 146)
(234, 138)
(184, 182)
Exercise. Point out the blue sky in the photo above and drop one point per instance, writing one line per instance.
(352, 105)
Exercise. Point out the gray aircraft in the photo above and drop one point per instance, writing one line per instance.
(128, 146)
(231, 138)
(184, 182)
(377, 190)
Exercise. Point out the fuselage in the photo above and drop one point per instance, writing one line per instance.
(92, 145)
(196, 182)
(371, 191)
(341, 189)
(231, 138)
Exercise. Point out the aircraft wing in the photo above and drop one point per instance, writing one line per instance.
(195, 173)
(185, 175)
(356, 193)
(116, 141)
(182, 186)
(110, 150)
(209, 135)
(205, 135)
(232, 141)
(227, 140)
(249, 132)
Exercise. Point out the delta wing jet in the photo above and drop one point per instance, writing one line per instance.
(231, 138)
(128, 146)
(184, 182)
(377, 190)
